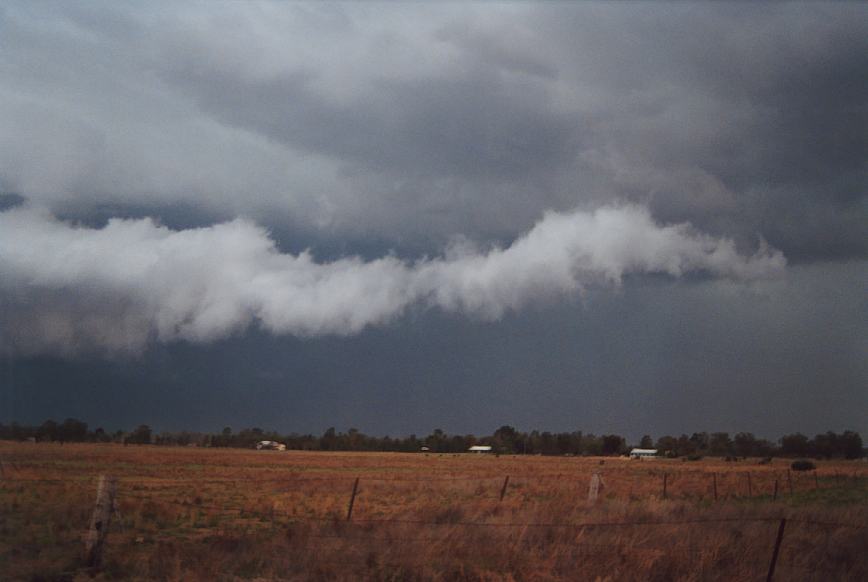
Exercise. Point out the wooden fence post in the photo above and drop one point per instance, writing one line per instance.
(775, 496)
(503, 489)
(353, 499)
(714, 483)
(816, 480)
(665, 476)
(777, 549)
(790, 481)
(749, 488)
(97, 534)
(595, 487)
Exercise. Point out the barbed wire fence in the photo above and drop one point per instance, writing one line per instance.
(345, 530)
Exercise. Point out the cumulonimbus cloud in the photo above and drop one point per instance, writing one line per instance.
(69, 288)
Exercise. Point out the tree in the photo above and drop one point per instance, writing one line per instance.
(720, 444)
(72, 430)
(851, 445)
(744, 444)
(667, 445)
(613, 444)
(794, 445)
(646, 442)
(140, 436)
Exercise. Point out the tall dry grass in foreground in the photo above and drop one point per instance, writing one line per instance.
(195, 514)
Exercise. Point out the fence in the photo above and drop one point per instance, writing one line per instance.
(344, 539)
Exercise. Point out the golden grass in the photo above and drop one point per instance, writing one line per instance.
(208, 514)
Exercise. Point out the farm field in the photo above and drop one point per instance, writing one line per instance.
(228, 514)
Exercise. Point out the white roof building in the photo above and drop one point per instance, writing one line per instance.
(479, 449)
(639, 453)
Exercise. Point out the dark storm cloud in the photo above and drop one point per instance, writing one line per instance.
(561, 215)
(425, 121)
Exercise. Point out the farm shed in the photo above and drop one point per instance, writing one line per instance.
(479, 449)
(270, 446)
(643, 453)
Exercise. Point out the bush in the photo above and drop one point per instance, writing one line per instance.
(765, 461)
(694, 457)
(803, 465)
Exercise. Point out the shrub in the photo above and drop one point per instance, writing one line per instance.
(803, 465)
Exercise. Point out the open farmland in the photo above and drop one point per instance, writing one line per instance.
(206, 514)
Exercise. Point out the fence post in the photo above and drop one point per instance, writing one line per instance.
(595, 487)
(775, 496)
(749, 487)
(665, 476)
(353, 499)
(97, 533)
(503, 489)
(714, 483)
(777, 549)
(790, 481)
(816, 480)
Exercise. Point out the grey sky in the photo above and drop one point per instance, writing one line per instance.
(413, 148)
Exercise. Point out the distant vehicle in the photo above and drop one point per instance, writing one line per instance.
(270, 446)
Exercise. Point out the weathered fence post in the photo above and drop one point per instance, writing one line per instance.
(775, 496)
(503, 489)
(777, 549)
(665, 477)
(749, 487)
(95, 539)
(816, 480)
(714, 483)
(595, 487)
(790, 481)
(353, 499)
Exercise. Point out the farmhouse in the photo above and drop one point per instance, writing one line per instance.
(643, 453)
(479, 449)
(270, 446)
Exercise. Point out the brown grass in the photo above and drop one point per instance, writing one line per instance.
(208, 514)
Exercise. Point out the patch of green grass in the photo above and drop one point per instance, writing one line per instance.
(843, 495)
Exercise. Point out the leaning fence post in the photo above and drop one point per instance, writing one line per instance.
(353, 499)
(777, 549)
(595, 487)
(100, 520)
(503, 489)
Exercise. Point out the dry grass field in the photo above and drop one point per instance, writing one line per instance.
(220, 514)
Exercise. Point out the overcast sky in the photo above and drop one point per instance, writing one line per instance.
(632, 218)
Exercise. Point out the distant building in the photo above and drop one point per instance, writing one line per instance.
(270, 446)
(479, 449)
(643, 453)
(425, 449)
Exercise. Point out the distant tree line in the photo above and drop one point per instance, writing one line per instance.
(505, 440)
